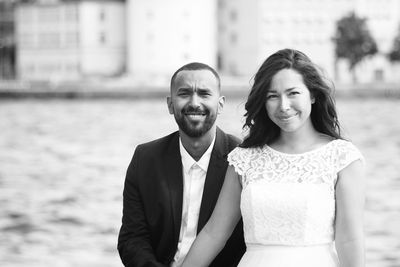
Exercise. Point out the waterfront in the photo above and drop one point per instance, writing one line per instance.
(63, 164)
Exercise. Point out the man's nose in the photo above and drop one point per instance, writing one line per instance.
(195, 100)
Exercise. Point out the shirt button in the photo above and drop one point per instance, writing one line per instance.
(195, 166)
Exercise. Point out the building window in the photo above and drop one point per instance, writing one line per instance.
(233, 38)
(26, 16)
(71, 13)
(233, 68)
(186, 37)
(71, 67)
(49, 39)
(220, 61)
(29, 68)
(222, 28)
(233, 15)
(150, 37)
(102, 38)
(49, 67)
(149, 14)
(378, 74)
(102, 15)
(48, 14)
(26, 40)
(72, 39)
(221, 4)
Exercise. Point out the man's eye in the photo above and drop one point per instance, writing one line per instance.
(204, 93)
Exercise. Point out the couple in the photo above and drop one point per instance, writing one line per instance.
(295, 182)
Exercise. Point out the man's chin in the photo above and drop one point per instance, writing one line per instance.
(194, 130)
(194, 133)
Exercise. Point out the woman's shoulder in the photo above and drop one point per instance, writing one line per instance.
(239, 150)
(241, 157)
(343, 145)
(345, 153)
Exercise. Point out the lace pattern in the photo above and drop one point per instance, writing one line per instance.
(317, 166)
(290, 198)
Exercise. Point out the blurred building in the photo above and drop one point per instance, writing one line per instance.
(383, 19)
(7, 39)
(251, 30)
(165, 34)
(149, 39)
(70, 39)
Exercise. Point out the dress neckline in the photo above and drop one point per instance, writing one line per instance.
(303, 153)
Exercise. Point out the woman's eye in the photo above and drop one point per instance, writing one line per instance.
(271, 96)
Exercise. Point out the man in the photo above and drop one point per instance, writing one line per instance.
(172, 183)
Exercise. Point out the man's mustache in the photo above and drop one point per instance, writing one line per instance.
(195, 111)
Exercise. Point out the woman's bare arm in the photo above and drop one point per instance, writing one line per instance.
(220, 226)
(349, 232)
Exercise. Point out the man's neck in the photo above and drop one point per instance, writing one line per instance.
(196, 146)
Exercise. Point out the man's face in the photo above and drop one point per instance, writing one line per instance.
(195, 101)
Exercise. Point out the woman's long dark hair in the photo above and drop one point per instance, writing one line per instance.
(323, 112)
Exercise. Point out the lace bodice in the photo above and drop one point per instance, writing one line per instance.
(289, 199)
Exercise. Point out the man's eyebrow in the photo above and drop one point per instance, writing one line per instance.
(184, 89)
(201, 89)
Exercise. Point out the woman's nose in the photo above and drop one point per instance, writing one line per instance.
(284, 103)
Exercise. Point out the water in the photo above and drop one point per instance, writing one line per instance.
(63, 165)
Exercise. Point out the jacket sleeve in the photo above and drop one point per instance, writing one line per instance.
(134, 245)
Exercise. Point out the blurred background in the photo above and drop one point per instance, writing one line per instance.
(82, 82)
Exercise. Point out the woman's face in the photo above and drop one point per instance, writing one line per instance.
(289, 101)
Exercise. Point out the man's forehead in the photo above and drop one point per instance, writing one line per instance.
(199, 76)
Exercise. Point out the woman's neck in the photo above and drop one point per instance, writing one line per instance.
(300, 141)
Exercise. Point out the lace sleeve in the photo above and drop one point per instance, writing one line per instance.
(238, 160)
(346, 154)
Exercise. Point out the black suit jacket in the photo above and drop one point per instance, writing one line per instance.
(152, 205)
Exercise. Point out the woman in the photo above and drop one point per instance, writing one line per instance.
(297, 184)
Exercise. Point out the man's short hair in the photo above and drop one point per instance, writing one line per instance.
(196, 66)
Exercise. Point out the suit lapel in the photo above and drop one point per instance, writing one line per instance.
(173, 172)
(214, 178)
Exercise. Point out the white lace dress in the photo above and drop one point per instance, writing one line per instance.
(288, 204)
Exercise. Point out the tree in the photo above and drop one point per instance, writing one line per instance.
(394, 54)
(353, 41)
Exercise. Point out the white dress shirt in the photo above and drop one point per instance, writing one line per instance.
(194, 176)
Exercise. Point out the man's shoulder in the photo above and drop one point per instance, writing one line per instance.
(230, 140)
(234, 140)
(159, 144)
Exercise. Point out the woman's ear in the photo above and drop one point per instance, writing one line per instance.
(312, 98)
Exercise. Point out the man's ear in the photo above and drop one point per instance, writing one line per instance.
(170, 106)
(221, 103)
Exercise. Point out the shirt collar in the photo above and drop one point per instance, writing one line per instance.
(188, 161)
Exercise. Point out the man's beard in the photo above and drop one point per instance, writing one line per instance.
(192, 129)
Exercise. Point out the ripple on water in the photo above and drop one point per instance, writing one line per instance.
(20, 227)
(64, 163)
(67, 221)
